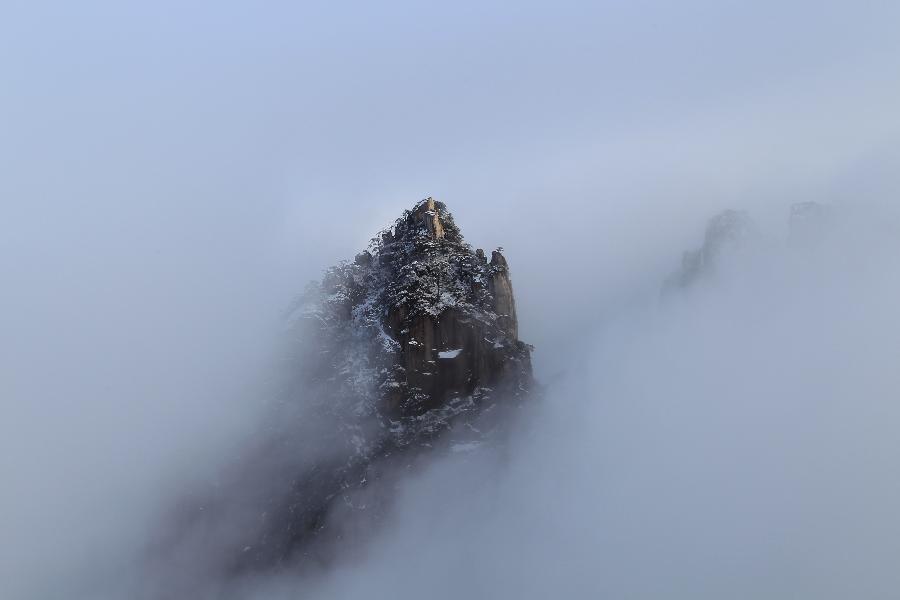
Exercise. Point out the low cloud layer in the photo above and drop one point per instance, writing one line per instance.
(733, 439)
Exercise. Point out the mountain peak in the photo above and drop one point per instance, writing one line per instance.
(409, 348)
(438, 296)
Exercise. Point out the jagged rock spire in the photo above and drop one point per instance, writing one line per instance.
(502, 292)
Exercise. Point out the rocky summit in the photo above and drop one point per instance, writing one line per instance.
(408, 350)
(422, 322)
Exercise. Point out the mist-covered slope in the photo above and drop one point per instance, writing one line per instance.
(409, 350)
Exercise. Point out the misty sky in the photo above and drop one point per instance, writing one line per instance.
(172, 173)
(276, 140)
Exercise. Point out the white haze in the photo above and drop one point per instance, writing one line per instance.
(172, 175)
(737, 442)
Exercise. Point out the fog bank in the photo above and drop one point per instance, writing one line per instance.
(736, 441)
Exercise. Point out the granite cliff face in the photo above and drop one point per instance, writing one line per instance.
(411, 349)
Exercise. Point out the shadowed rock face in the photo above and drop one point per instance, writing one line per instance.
(399, 353)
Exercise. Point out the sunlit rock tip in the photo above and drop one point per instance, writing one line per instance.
(432, 216)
